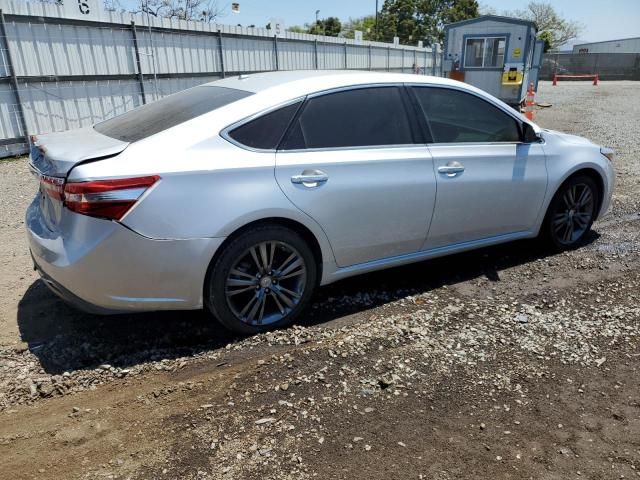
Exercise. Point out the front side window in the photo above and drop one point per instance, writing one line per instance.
(484, 52)
(154, 117)
(458, 117)
(354, 118)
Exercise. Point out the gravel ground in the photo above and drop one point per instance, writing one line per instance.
(505, 362)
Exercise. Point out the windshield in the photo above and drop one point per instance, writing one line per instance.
(147, 120)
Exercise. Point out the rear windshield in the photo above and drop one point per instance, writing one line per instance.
(147, 120)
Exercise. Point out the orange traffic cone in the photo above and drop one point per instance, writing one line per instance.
(530, 102)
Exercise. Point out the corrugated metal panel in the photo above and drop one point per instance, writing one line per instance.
(9, 114)
(379, 58)
(57, 106)
(395, 59)
(177, 53)
(294, 55)
(44, 49)
(330, 56)
(248, 54)
(4, 62)
(624, 45)
(358, 57)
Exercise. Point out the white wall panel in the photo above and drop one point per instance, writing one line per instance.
(296, 55)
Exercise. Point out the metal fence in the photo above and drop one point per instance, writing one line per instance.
(609, 66)
(60, 73)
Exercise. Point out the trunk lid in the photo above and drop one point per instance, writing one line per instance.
(53, 155)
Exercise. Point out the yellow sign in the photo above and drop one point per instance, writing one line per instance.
(513, 77)
(517, 53)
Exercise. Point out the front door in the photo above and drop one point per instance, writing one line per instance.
(489, 183)
(497, 190)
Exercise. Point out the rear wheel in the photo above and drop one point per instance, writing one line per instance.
(261, 280)
(571, 212)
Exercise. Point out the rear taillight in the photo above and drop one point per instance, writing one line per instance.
(109, 199)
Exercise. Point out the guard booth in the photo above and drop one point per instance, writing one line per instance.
(499, 55)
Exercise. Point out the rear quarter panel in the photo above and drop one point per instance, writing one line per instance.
(207, 190)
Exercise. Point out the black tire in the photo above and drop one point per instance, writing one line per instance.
(227, 293)
(569, 217)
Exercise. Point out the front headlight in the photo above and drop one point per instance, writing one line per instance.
(608, 152)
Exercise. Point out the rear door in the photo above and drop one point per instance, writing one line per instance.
(353, 162)
(489, 182)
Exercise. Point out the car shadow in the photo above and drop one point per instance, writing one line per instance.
(65, 339)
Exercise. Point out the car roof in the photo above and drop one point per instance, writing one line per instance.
(300, 82)
(272, 88)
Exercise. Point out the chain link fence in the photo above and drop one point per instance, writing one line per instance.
(609, 66)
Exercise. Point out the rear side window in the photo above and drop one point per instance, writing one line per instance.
(458, 117)
(353, 118)
(147, 120)
(265, 132)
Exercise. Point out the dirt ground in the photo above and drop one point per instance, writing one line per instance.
(506, 363)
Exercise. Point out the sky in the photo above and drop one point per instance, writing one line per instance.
(602, 19)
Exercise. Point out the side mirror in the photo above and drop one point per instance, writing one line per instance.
(529, 135)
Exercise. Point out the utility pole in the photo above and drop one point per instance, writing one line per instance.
(376, 30)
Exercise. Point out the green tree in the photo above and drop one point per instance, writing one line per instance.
(414, 20)
(547, 38)
(331, 27)
(460, 10)
(366, 25)
(295, 28)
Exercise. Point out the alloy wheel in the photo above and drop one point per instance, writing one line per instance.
(573, 216)
(266, 283)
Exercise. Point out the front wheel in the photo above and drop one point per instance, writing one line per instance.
(261, 280)
(571, 212)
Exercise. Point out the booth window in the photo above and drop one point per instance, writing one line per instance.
(485, 52)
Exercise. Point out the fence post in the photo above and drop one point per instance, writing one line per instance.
(402, 71)
(370, 59)
(425, 61)
(388, 59)
(14, 79)
(275, 51)
(415, 61)
(221, 53)
(137, 50)
(434, 52)
(345, 56)
(315, 52)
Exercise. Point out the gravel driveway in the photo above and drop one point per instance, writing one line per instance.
(506, 362)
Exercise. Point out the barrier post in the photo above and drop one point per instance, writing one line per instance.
(138, 63)
(595, 80)
(555, 80)
(221, 53)
(315, 52)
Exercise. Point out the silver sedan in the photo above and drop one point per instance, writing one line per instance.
(243, 195)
